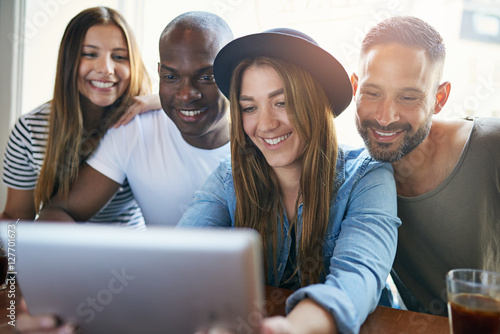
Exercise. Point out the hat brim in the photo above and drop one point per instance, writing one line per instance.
(323, 67)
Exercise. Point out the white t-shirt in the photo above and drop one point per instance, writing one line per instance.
(162, 169)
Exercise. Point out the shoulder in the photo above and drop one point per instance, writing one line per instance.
(225, 170)
(363, 181)
(151, 115)
(145, 119)
(37, 117)
(220, 180)
(32, 126)
(450, 132)
(356, 162)
(484, 141)
(141, 125)
(487, 127)
(223, 173)
(454, 134)
(356, 169)
(40, 112)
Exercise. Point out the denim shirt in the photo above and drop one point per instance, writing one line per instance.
(359, 245)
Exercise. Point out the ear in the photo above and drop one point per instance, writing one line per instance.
(158, 68)
(354, 83)
(442, 95)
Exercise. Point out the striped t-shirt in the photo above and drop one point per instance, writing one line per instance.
(24, 158)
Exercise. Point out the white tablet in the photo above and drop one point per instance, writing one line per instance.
(109, 279)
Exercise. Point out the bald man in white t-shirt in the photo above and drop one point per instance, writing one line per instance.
(166, 155)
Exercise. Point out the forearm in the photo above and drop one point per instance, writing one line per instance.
(22, 215)
(89, 194)
(54, 213)
(5, 216)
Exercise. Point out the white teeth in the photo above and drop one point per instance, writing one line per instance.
(385, 134)
(275, 141)
(102, 84)
(191, 112)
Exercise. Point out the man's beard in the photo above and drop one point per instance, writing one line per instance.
(382, 151)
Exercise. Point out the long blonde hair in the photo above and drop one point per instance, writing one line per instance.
(68, 143)
(258, 204)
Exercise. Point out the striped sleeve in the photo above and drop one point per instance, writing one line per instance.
(25, 149)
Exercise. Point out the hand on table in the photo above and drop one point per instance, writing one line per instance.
(47, 324)
(276, 325)
(306, 317)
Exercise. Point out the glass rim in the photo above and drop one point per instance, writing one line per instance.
(472, 270)
(474, 277)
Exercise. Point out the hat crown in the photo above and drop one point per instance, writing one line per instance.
(293, 33)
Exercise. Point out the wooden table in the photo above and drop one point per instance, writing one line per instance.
(382, 321)
(385, 320)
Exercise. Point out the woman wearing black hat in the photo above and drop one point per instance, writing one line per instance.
(327, 216)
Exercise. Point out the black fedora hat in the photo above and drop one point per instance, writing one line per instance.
(292, 46)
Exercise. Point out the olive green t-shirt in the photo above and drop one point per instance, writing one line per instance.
(456, 225)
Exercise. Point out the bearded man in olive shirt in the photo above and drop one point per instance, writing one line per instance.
(447, 170)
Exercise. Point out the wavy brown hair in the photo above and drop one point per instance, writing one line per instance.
(69, 144)
(258, 203)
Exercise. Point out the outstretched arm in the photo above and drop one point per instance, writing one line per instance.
(89, 193)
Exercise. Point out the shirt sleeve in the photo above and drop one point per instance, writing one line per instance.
(112, 154)
(363, 254)
(210, 206)
(19, 169)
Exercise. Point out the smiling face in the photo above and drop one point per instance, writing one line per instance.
(265, 119)
(395, 99)
(104, 70)
(188, 93)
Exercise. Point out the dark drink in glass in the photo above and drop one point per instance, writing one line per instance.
(473, 313)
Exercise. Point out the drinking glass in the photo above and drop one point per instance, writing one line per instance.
(473, 301)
